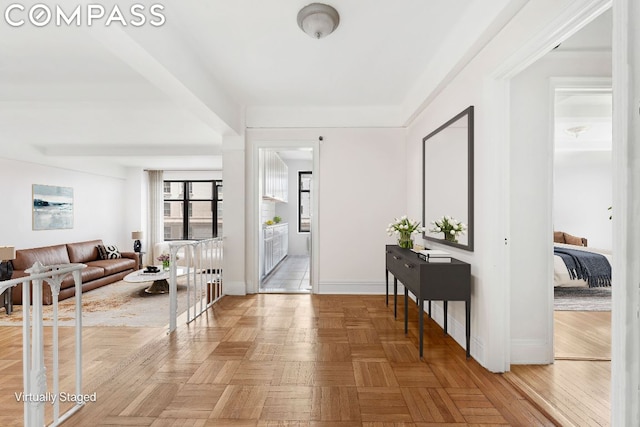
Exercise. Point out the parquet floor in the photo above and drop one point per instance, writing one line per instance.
(576, 389)
(297, 360)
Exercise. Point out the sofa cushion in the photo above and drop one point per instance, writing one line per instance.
(108, 252)
(83, 252)
(89, 273)
(112, 266)
(47, 255)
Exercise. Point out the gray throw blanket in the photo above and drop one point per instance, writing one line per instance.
(594, 268)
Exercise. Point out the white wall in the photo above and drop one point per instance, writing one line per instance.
(582, 193)
(361, 189)
(233, 178)
(99, 206)
(298, 242)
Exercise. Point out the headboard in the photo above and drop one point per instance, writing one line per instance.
(562, 237)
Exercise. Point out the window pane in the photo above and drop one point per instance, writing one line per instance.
(197, 221)
(200, 220)
(201, 190)
(220, 219)
(305, 181)
(173, 220)
(173, 190)
(305, 212)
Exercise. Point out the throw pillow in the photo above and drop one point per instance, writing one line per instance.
(109, 252)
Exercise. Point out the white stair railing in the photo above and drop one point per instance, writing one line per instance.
(203, 278)
(36, 393)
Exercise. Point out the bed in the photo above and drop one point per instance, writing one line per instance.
(561, 275)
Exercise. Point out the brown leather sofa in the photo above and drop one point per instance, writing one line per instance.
(99, 272)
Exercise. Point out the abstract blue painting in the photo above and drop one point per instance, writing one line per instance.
(52, 207)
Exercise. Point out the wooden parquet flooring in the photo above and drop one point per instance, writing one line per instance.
(297, 360)
(576, 389)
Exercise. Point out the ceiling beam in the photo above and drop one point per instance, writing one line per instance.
(158, 55)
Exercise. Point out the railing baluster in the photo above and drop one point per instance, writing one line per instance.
(204, 277)
(34, 371)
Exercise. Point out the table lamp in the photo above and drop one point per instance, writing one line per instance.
(137, 236)
(7, 253)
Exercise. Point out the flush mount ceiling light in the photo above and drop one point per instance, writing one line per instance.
(576, 131)
(318, 20)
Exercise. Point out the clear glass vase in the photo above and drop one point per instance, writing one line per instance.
(450, 237)
(165, 265)
(405, 241)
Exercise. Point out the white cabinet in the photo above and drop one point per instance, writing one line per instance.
(276, 245)
(275, 181)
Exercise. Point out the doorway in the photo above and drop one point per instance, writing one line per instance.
(531, 202)
(582, 136)
(286, 217)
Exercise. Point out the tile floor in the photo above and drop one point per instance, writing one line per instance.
(290, 276)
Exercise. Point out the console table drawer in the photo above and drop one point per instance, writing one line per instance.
(407, 270)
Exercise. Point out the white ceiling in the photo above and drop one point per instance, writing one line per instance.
(589, 109)
(166, 97)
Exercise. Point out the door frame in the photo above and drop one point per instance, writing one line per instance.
(253, 224)
(625, 371)
(573, 18)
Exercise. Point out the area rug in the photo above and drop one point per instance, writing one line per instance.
(118, 304)
(582, 299)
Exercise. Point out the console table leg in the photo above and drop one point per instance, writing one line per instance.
(395, 297)
(429, 308)
(386, 278)
(421, 323)
(445, 316)
(406, 311)
(467, 306)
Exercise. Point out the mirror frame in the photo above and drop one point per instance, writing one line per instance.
(468, 112)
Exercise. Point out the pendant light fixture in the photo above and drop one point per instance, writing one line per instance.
(318, 20)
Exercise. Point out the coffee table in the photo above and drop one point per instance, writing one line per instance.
(159, 279)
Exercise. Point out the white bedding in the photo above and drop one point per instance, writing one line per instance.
(561, 274)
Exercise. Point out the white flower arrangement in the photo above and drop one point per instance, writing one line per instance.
(451, 227)
(404, 225)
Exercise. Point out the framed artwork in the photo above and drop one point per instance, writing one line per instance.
(52, 207)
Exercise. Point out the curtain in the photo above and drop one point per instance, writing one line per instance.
(156, 210)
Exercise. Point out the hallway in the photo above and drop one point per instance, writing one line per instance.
(290, 276)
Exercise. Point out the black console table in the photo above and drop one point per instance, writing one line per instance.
(438, 281)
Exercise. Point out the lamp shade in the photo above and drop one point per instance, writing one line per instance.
(318, 20)
(137, 235)
(7, 253)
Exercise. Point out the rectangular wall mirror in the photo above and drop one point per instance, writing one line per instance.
(447, 179)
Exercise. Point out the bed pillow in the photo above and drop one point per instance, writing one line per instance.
(558, 237)
(109, 252)
(572, 240)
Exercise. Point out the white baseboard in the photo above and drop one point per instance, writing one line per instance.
(530, 352)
